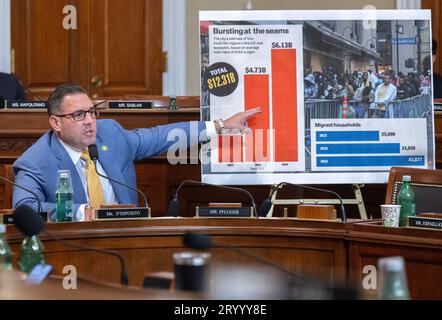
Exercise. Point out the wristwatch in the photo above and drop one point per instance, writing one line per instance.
(220, 123)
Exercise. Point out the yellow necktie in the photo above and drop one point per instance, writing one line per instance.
(95, 191)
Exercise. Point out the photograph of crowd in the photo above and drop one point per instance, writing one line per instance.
(351, 71)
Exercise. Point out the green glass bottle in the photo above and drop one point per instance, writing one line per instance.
(32, 253)
(5, 251)
(172, 103)
(393, 279)
(406, 199)
(64, 197)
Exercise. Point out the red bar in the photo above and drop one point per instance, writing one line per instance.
(285, 104)
(256, 94)
(236, 148)
(230, 148)
(248, 142)
(224, 148)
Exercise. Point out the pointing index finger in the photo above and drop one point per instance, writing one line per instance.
(253, 111)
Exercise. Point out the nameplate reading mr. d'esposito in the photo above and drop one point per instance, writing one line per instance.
(122, 213)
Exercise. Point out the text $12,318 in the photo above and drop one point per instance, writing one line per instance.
(221, 80)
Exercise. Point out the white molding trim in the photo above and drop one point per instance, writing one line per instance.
(174, 43)
(5, 36)
(408, 4)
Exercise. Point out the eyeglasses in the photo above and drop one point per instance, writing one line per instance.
(80, 115)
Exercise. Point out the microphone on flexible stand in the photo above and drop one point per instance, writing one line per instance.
(267, 203)
(93, 153)
(204, 242)
(33, 94)
(30, 224)
(26, 189)
(307, 288)
(24, 103)
(174, 203)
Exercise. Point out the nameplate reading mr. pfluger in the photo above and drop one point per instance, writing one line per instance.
(122, 213)
(227, 212)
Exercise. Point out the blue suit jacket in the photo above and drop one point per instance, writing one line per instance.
(11, 88)
(37, 169)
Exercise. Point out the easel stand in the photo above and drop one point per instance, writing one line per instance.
(356, 201)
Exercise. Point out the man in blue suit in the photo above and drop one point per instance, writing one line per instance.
(72, 116)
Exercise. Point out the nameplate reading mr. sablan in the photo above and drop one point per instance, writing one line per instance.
(122, 213)
(227, 212)
(130, 104)
(8, 218)
(14, 104)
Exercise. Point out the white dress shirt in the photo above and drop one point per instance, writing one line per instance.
(210, 129)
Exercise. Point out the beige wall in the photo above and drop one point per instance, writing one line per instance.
(193, 6)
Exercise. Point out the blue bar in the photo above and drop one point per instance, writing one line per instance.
(347, 135)
(372, 161)
(356, 148)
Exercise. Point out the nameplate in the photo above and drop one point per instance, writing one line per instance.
(15, 104)
(8, 218)
(226, 212)
(424, 222)
(122, 213)
(130, 104)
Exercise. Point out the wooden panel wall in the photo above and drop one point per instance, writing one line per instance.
(331, 253)
(126, 46)
(312, 248)
(116, 48)
(436, 15)
(420, 248)
(43, 49)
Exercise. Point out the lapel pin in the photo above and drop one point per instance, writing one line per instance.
(104, 148)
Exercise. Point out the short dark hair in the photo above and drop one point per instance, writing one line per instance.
(57, 96)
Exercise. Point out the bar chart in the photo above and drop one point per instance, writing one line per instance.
(390, 145)
(274, 133)
(265, 60)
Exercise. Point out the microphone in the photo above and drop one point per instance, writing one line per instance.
(204, 242)
(174, 203)
(30, 224)
(267, 203)
(93, 153)
(26, 189)
(308, 288)
(33, 94)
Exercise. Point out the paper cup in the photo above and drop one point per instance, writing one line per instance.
(390, 215)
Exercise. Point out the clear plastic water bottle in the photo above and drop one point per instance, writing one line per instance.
(31, 254)
(406, 199)
(5, 251)
(64, 196)
(393, 280)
